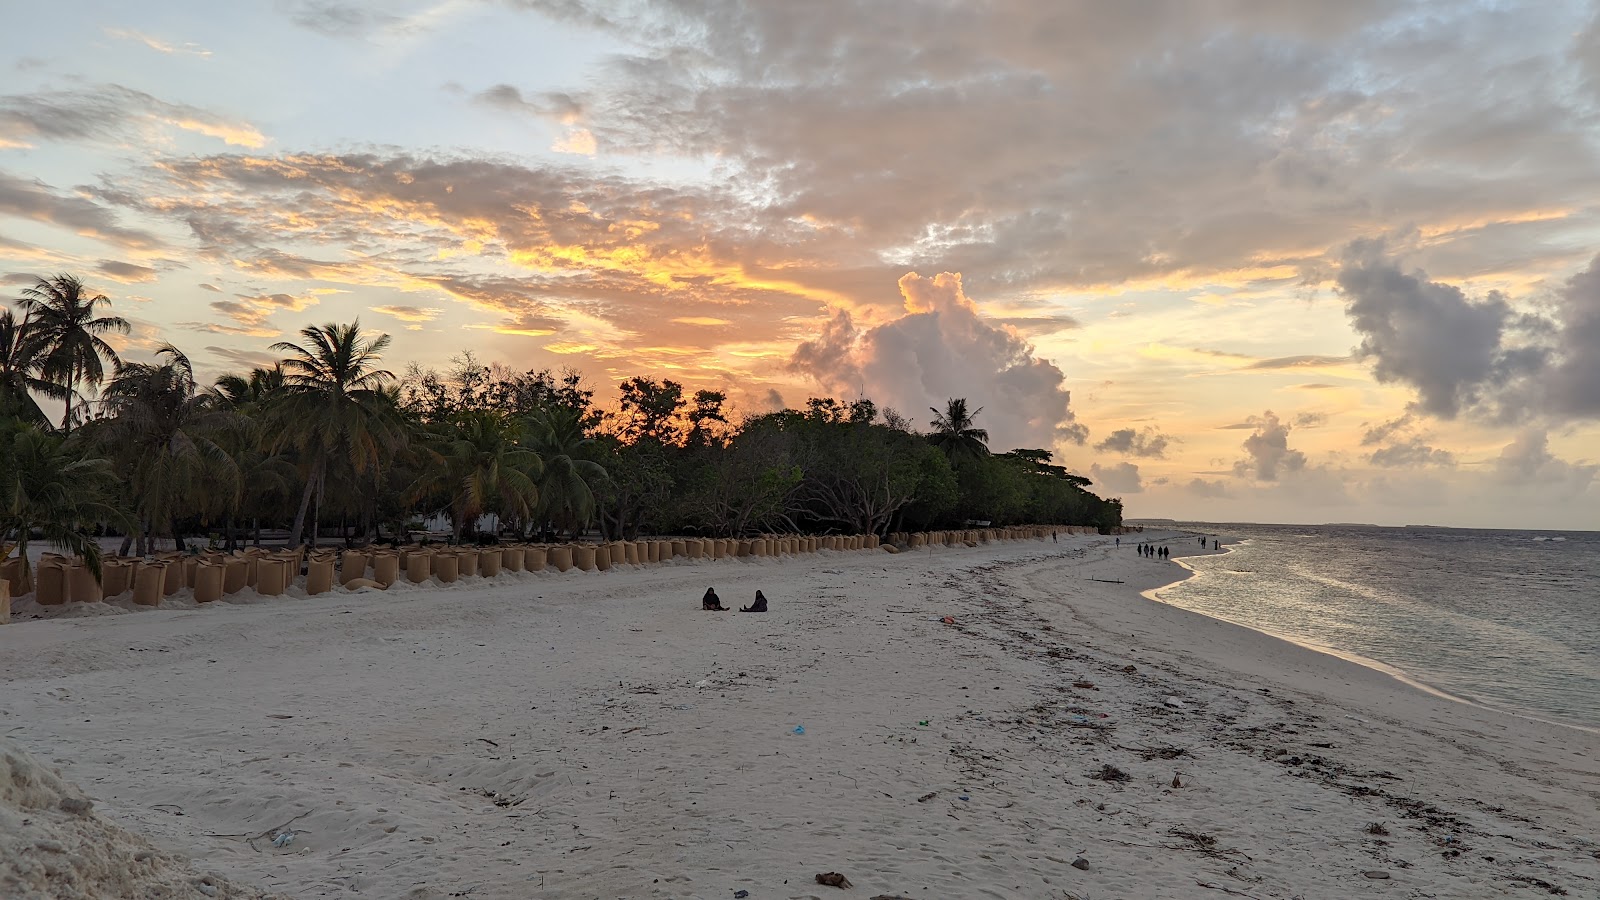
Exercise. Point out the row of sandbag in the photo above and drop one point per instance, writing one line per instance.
(212, 575)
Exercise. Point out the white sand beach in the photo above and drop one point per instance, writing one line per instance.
(595, 735)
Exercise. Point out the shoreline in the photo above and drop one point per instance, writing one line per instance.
(1401, 675)
(572, 736)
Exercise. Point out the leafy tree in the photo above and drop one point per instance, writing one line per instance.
(650, 409)
(72, 350)
(334, 406)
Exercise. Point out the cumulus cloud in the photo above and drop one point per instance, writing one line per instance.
(1527, 460)
(1119, 478)
(1428, 334)
(1268, 450)
(943, 347)
(1477, 355)
(1148, 442)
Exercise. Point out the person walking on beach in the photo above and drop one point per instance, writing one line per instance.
(1053, 538)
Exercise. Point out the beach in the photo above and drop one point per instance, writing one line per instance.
(595, 735)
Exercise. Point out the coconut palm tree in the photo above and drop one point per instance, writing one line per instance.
(333, 403)
(477, 462)
(266, 479)
(44, 485)
(62, 318)
(166, 431)
(955, 434)
(569, 480)
(20, 364)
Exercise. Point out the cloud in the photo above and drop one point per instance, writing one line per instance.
(1300, 362)
(1480, 356)
(210, 287)
(410, 314)
(1527, 460)
(35, 200)
(1411, 452)
(1030, 145)
(1120, 478)
(1427, 334)
(1268, 450)
(332, 18)
(156, 44)
(1207, 488)
(110, 113)
(127, 273)
(943, 347)
(1310, 419)
(252, 313)
(1148, 442)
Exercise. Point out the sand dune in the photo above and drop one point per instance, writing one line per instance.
(578, 736)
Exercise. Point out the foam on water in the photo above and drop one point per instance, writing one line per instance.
(1507, 619)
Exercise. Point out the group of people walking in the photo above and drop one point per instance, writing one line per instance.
(1153, 551)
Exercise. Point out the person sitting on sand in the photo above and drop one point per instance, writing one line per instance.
(759, 606)
(712, 602)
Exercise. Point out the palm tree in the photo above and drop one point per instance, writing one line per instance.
(71, 349)
(20, 378)
(477, 462)
(568, 482)
(333, 404)
(266, 478)
(46, 486)
(165, 431)
(953, 432)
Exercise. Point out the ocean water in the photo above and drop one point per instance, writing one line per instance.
(1506, 619)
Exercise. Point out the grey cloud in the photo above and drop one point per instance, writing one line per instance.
(1377, 434)
(1128, 442)
(1214, 488)
(1299, 362)
(1527, 460)
(1121, 478)
(1480, 356)
(1411, 452)
(1425, 333)
(1315, 387)
(109, 112)
(127, 273)
(1298, 123)
(942, 347)
(210, 287)
(334, 18)
(35, 200)
(1268, 450)
(1310, 419)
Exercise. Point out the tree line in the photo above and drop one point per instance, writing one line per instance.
(328, 438)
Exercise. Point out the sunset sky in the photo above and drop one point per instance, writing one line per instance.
(1232, 259)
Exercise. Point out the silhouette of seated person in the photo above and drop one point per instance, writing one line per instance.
(712, 602)
(759, 606)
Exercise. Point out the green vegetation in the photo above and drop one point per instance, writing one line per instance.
(330, 436)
